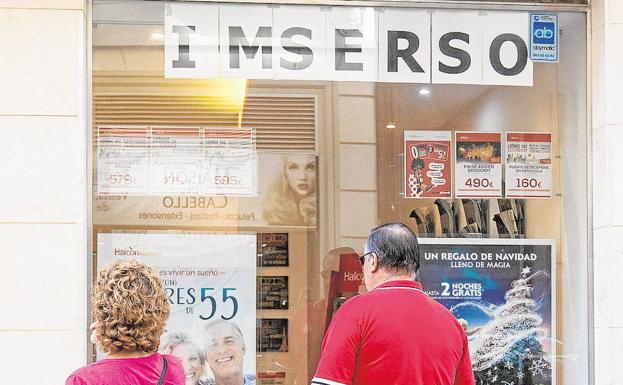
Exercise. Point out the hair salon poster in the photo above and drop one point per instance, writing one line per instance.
(505, 291)
(287, 198)
(428, 172)
(210, 282)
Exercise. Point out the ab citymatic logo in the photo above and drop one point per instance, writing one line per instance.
(543, 33)
(544, 37)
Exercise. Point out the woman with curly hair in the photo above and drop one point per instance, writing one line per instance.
(291, 199)
(130, 308)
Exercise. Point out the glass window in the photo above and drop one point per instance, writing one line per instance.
(254, 197)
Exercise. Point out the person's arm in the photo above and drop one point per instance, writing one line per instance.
(339, 350)
(464, 372)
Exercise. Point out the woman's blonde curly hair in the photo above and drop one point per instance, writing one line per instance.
(130, 306)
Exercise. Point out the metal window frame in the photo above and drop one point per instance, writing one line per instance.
(439, 4)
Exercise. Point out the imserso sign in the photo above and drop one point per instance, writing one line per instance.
(347, 44)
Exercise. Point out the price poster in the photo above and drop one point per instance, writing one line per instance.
(478, 170)
(231, 161)
(272, 292)
(528, 165)
(503, 293)
(427, 164)
(175, 162)
(210, 281)
(272, 335)
(287, 199)
(122, 160)
(272, 249)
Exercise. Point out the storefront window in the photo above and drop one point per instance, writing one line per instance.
(253, 182)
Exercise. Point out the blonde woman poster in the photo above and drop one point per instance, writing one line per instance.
(289, 189)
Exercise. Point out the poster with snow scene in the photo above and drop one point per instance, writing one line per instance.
(504, 289)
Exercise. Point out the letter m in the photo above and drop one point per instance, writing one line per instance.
(237, 39)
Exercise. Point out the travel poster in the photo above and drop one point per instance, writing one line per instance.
(122, 160)
(176, 160)
(175, 165)
(272, 249)
(478, 169)
(504, 292)
(287, 196)
(272, 292)
(528, 165)
(427, 168)
(272, 334)
(209, 279)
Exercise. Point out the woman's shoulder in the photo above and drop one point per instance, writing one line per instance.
(91, 373)
(105, 370)
(175, 371)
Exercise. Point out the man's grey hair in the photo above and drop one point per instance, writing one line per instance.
(396, 247)
(233, 326)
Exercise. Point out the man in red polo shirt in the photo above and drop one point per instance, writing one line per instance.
(394, 334)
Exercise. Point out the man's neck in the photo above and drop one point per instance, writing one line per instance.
(388, 277)
(230, 380)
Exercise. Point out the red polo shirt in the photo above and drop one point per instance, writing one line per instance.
(394, 335)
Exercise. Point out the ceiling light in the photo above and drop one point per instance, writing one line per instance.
(157, 36)
(424, 91)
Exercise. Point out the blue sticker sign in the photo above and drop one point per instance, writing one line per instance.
(544, 37)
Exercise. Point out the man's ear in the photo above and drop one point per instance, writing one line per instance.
(374, 263)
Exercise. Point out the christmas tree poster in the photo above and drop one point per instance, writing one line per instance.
(503, 292)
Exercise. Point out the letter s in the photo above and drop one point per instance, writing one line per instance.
(307, 55)
(457, 53)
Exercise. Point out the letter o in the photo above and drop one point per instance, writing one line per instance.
(167, 202)
(496, 47)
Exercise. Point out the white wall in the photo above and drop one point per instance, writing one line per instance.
(607, 94)
(43, 193)
(355, 162)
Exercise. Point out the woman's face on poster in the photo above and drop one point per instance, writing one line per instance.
(193, 367)
(300, 171)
